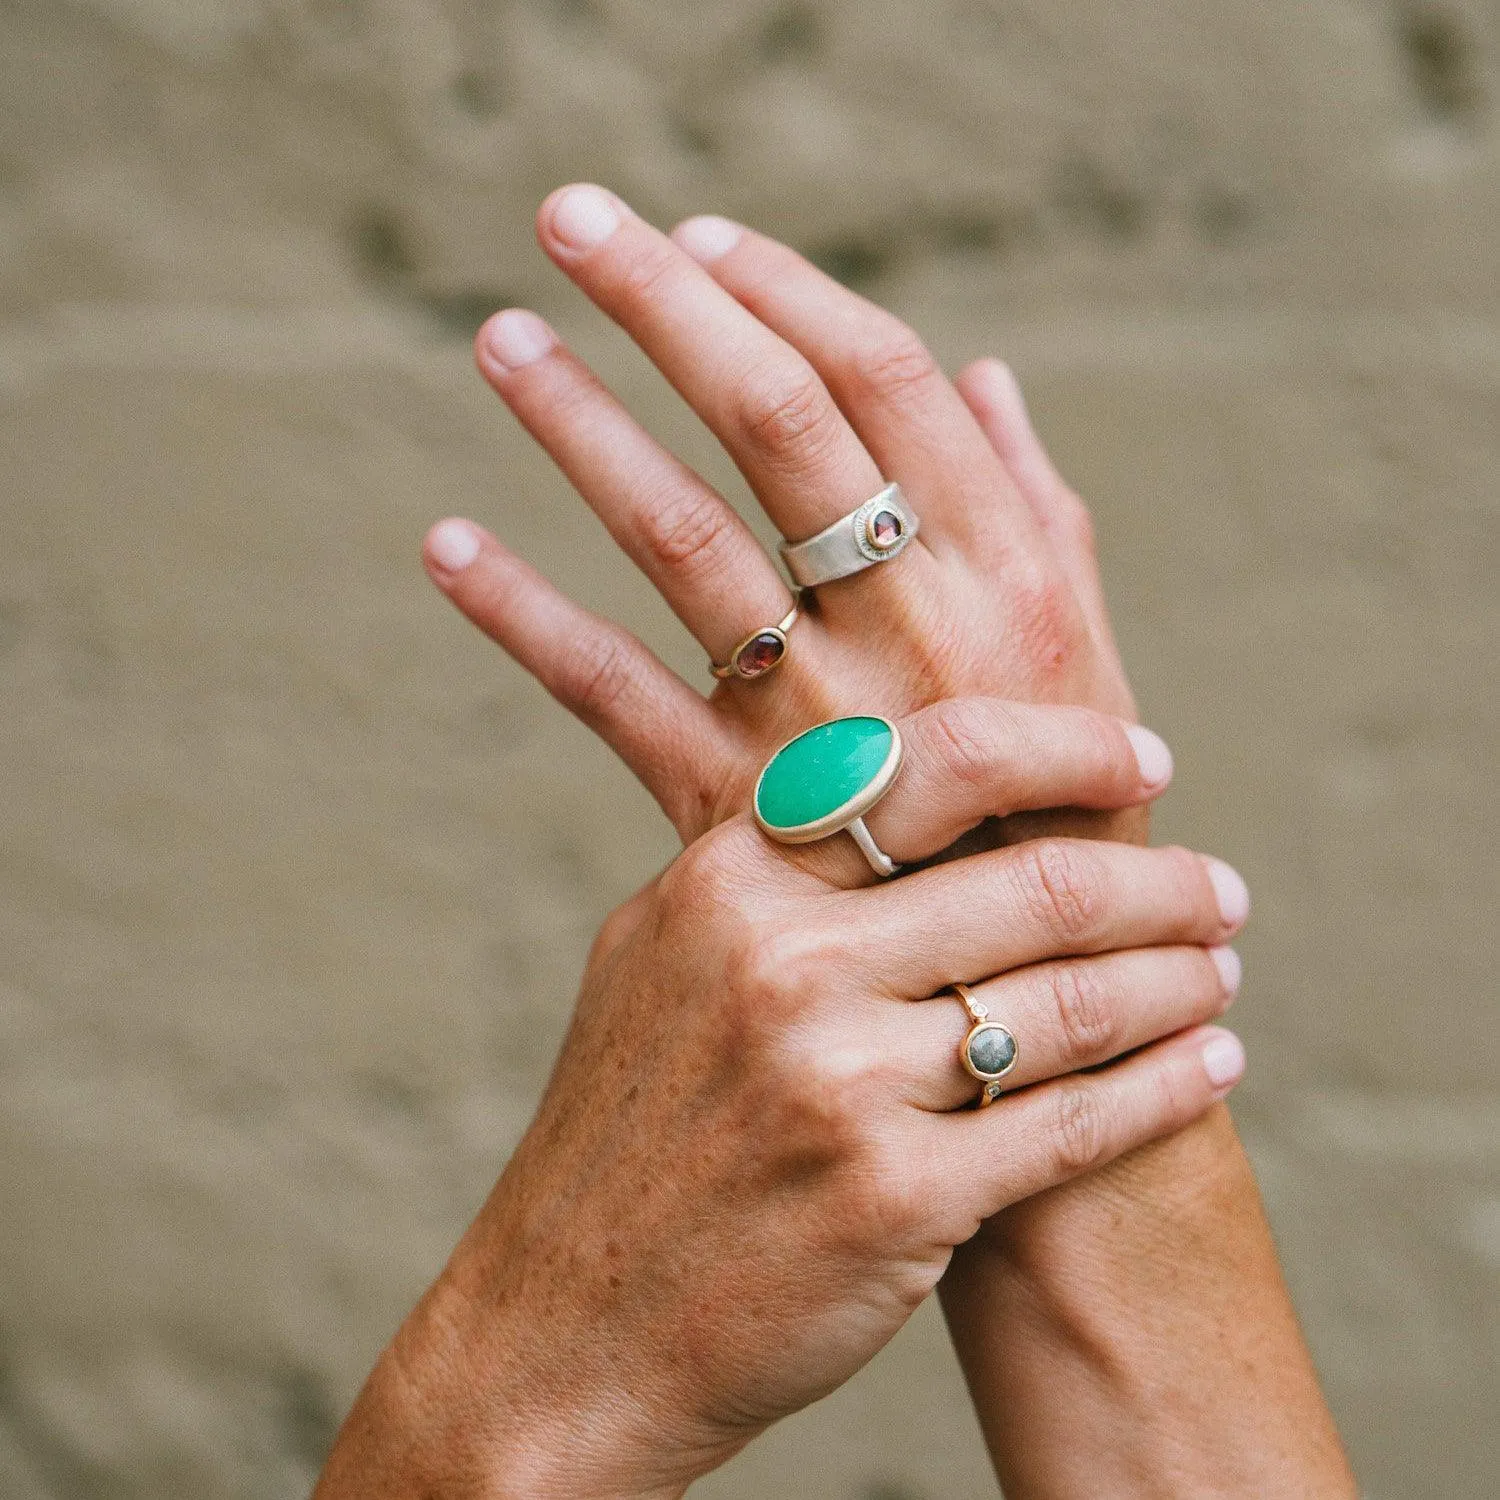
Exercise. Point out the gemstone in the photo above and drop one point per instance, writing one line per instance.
(760, 655)
(885, 529)
(992, 1049)
(822, 771)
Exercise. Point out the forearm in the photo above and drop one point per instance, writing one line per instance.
(1130, 1334)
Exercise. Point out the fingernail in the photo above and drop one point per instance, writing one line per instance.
(584, 217)
(1151, 755)
(1230, 889)
(708, 237)
(1224, 1059)
(453, 545)
(1227, 962)
(518, 338)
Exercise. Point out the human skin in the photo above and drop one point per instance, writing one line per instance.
(1150, 1289)
(752, 1162)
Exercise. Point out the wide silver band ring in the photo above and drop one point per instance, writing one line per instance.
(876, 532)
(760, 652)
(989, 1051)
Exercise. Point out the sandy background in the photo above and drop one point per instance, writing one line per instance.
(296, 873)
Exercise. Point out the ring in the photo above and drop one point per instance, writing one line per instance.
(875, 533)
(826, 779)
(760, 652)
(989, 1051)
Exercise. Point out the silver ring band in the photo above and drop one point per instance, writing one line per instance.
(874, 533)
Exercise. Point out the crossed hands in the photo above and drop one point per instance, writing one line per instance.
(754, 1159)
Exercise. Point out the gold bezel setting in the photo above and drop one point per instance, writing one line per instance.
(731, 668)
(972, 1069)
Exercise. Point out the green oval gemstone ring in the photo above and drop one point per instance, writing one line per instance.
(825, 780)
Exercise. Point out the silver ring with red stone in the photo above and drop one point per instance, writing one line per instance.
(760, 652)
(876, 532)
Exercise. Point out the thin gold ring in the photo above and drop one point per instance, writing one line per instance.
(989, 1051)
(761, 651)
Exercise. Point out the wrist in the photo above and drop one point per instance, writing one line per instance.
(454, 1410)
(1164, 1199)
(1110, 1328)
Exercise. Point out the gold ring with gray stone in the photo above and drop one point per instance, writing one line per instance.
(989, 1051)
(874, 533)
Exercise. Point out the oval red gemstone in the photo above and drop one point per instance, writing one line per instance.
(760, 655)
(885, 528)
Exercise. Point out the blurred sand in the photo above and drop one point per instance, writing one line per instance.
(298, 873)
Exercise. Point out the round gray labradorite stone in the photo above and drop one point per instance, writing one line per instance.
(992, 1049)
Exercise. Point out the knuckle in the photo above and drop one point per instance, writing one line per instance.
(599, 674)
(781, 411)
(1108, 750)
(812, 1099)
(1044, 619)
(709, 873)
(644, 275)
(1061, 888)
(1080, 1133)
(1172, 1101)
(1087, 1013)
(965, 740)
(893, 363)
(768, 973)
(1187, 891)
(890, 1198)
(688, 533)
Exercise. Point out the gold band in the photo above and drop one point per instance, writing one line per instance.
(761, 651)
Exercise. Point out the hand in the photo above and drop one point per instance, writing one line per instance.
(820, 398)
(752, 1162)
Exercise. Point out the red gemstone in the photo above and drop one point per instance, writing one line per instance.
(885, 529)
(760, 655)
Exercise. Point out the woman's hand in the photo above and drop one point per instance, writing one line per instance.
(820, 398)
(753, 1162)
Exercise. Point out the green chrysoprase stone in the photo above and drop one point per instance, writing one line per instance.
(992, 1050)
(822, 770)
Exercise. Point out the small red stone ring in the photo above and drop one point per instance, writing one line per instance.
(760, 652)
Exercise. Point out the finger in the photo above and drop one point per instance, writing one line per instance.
(1025, 1143)
(968, 759)
(1050, 898)
(656, 724)
(1065, 1015)
(685, 538)
(757, 395)
(991, 391)
(882, 375)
